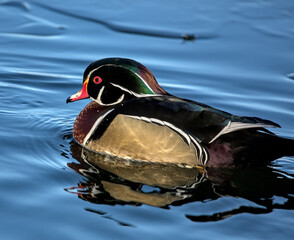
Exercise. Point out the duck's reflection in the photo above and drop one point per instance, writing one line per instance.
(112, 181)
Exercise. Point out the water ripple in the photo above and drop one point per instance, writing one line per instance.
(43, 54)
(27, 24)
(17, 4)
(44, 74)
(125, 29)
(22, 87)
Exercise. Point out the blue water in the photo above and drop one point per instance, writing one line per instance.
(241, 61)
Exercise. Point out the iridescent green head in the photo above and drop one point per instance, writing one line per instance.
(111, 80)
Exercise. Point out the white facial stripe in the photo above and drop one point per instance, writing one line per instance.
(137, 76)
(122, 88)
(98, 100)
(133, 93)
(100, 94)
(143, 81)
(94, 127)
(90, 73)
(124, 68)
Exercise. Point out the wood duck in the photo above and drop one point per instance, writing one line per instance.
(132, 117)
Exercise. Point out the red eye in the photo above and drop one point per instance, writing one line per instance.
(97, 80)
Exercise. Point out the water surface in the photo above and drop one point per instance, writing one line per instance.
(240, 61)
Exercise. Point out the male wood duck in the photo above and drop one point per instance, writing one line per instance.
(132, 117)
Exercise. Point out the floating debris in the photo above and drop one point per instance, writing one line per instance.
(291, 76)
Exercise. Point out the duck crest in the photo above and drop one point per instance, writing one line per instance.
(127, 74)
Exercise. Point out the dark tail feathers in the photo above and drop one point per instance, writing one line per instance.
(253, 147)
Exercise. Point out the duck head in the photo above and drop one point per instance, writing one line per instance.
(110, 81)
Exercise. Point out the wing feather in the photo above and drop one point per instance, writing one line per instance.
(236, 126)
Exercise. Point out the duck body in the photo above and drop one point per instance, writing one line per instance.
(133, 117)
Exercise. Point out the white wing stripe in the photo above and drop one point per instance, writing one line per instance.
(221, 132)
(199, 148)
(94, 127)
(157, 121)
(146, 119)
(235, 126)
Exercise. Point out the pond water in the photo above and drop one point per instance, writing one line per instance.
(241, 61)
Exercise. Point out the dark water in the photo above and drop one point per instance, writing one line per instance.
(241, 61)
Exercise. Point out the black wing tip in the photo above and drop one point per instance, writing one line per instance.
(273, 124)
(258, 120)
(277, 125)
